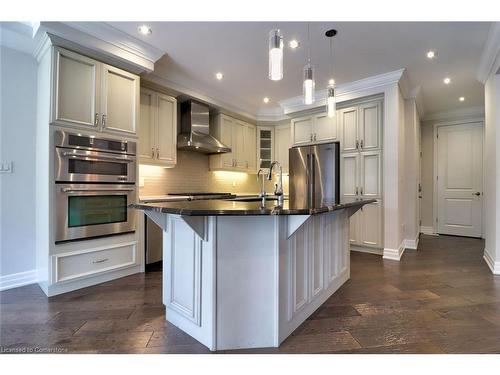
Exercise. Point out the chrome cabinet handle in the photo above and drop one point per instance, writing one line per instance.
(477, 193)
(357, 145)
(76, 155)
(152, 152)
(103, 121)
(157, 153)
(100, 260)
(96, 119)
(356, 190)
(314, 136)
(75, 190)
(361, 144)
(311, 137)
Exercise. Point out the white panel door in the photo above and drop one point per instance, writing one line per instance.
(302, 130)
(460, 179)
(146, 146)
(167, 129)
(120, 99)
(370, 225)
(348, 120)
(325, 128)
(76, 99)
(370, 174)
(349, 176)
(370, 119)
(283, 142)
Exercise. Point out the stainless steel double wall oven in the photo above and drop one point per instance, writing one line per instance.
(95, 181)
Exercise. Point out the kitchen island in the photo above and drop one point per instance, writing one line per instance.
(238, 275)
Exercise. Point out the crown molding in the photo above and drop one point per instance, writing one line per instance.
(490, 57)
(344, 91)
(469, 112)
(105, 41)
(271, 114)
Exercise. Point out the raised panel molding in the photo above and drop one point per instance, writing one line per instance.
(191, 257)
(298, 281)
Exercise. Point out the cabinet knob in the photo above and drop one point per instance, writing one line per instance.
(311, 137)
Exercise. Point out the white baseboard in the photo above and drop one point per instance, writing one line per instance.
(428, 230)
(412, 244)
(494, 266)
(366, 249)
(394, 254)
(15, 280)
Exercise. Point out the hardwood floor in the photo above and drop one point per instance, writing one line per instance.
(439, 299)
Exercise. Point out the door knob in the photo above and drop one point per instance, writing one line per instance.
(477, 193)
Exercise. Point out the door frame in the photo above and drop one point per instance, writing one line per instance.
(480, 122)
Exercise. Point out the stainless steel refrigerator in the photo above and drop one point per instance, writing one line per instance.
(314, 175)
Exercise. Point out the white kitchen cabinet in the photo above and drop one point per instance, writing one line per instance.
(241, 137)
(283, 142)
(265, 146)
(91, 94)
(158, 129)
(119, 100)
(361, 127)
(370, 174)
(313, 129)
(76, 89)
(365, 227)
(349, 170)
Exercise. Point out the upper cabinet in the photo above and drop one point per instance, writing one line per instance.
(94, 95)
(241, 137)
(283, 142)
(265, 146)
(361, 127)
(158, 129)
(273, 144)
(313, 129)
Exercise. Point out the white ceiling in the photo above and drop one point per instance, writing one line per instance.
(197, 50)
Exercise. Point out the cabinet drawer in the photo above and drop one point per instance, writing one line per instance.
(81, 264)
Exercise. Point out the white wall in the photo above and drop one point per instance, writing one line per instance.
(17, 144)
(492, 175)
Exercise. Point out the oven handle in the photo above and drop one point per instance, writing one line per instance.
(71, 190)
(99, 157)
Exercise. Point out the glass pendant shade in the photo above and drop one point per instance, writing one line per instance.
(331, 106)
(308, 86)
(275, 55)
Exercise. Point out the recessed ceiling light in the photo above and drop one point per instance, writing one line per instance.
(219, 76)
(266, 100)
(145, 30)
(293, 44)
(447, 81)
(431, 54)
(461, 99)
(331, 81)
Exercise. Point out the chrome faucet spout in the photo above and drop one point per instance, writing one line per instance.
(278, 188)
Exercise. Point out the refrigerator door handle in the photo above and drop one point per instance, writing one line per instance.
(312, 179)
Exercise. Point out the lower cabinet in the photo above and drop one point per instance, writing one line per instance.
(365, 227)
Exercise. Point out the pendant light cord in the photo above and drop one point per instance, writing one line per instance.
(308, 44)
(331, 57)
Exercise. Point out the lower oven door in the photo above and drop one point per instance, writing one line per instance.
(93, 210)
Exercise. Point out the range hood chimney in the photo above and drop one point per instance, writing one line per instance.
(195, 134)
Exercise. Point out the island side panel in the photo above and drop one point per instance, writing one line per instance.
(314, 263)
(189, 278)
(247, 281)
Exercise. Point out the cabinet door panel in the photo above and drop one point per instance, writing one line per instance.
(251, 148)
(349, 126)
(316, 256)
(302, 130)
(354, 231)
(226, 137)
(371, 174)
(369, 125)
(299, 265)
(266, 146)
(371, 225)
(167, 129)
(120, 91)
(76, 97)
(283, 143)
(147, 130)
(325, 128)
(349, 176)
(239, 145)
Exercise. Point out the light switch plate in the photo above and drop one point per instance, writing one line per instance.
(6, 167)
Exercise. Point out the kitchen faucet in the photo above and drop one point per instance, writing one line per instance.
(262, 193)
(278, 188)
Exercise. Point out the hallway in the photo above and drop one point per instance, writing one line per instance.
(439, 299)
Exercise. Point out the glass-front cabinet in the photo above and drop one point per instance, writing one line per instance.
(265, 141)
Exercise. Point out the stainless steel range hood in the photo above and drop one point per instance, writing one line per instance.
(195, 134)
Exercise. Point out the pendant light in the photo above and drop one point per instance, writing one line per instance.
(308, 85)
(330, 91)
(275, 55)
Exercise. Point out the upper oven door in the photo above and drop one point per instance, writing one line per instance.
(76, 165)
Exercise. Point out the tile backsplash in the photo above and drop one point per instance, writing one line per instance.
(192, 174)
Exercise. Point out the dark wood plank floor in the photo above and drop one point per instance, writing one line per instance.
(439, 299)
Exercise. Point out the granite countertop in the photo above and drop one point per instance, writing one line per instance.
(219, 207)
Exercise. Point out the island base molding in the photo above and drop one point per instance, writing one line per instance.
(235, 282)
